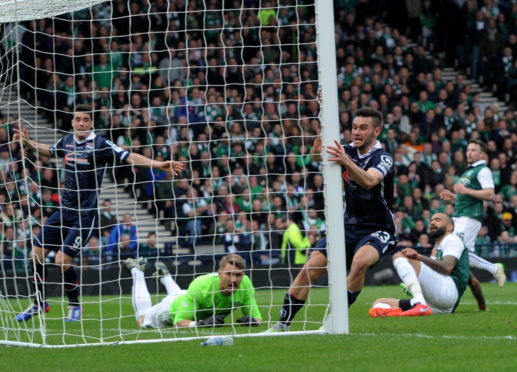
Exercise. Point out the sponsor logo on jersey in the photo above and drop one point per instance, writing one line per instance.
(464, 180)
(72, 159)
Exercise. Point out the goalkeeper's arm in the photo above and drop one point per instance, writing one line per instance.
(216, 320)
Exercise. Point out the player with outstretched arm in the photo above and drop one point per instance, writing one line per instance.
(68, 229)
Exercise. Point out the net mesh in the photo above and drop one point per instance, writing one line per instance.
(227, 87)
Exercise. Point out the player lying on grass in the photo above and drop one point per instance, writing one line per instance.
(85, 158)
(209, 299)
(437, 282)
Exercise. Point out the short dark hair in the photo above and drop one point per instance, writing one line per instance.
(370, 112)
(480, 143)
(84, 108)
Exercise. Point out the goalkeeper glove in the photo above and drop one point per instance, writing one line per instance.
(213, 321)
(248, 320)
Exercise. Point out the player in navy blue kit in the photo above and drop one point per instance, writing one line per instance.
(69, 228)
(369, 222)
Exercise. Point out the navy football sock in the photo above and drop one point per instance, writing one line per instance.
(70, 283)
(39, 278)
(291, 306)
(352, 296)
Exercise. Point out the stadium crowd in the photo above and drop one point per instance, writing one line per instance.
(234, 94)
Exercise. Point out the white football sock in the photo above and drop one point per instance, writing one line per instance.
(409, 277)
(171, 286)
(482, 264)
(140, 294)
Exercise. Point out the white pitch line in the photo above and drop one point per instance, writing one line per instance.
(490, 303)
(417, 335)
(450, 337)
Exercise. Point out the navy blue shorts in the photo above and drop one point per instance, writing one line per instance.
(66, 230)
(382, 241)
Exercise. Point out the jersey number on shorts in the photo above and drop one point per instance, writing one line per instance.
(383, 236)
(78, 242)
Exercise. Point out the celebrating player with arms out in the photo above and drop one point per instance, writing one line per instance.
(210, 298)
(69, 228)
(369, 221)
(475, 185)
(437, 282)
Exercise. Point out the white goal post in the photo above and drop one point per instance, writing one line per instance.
(228, 87)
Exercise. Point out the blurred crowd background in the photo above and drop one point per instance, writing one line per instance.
(232, 91)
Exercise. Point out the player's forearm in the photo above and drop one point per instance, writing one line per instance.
(186, 323)
(363, 178)
(40, 148)
(483, 194)
(142, 161)
(438, 266)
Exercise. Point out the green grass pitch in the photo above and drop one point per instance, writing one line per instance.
(465, 341)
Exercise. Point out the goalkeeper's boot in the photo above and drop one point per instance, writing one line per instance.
(417, 310)
(161, 270)
(74, 314)
(405, 290)
(500, 276)
(140, 263)
(33, 309)
(277, 328)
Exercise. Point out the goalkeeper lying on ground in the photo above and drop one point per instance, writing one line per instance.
(206, 303)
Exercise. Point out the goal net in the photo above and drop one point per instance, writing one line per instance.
(229, 88)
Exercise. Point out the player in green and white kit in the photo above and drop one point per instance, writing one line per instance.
(437, 282)
(210, 298)
(475, 185)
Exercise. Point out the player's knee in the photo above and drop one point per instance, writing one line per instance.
(397, 255)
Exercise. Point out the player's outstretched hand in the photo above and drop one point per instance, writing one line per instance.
(172, 167)
(337, 153)
(316, 147)
(213, 321)
(248, 321)
(20, 134)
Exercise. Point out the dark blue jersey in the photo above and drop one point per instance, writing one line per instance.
(84, 166)
(370, 209)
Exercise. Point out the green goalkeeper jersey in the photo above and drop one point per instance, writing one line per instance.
(204, 299)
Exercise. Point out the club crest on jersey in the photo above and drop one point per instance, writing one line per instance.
(346, 177)
(72, 159)
(89, 146)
